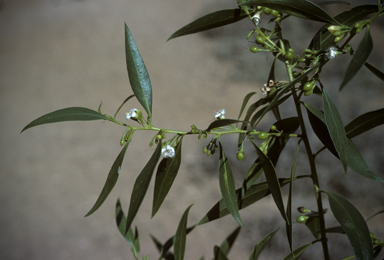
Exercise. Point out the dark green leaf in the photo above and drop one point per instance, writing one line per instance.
(337, 229)
(118, 109)
(298, 252)
(271, 77)
(111, 179)
(353, 224)
(223, 122)
(137, 73)
(313, 224)
(218, 254)
(359, 58)
(273, 182)
(299, 8)
(210, 21)
(245, 101)
(67, 114)
(166, 174)
(377, 213)
(141, 185)
(121, 222)
(264, 110)
(168, 244)
(159, 246)
(365, 122)
(336, 129)
(333, 2)
(258, 249)
(227, 186)
(181, 236)
(227, 244)
(378, 73)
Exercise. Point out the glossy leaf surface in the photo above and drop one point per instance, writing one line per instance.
(296, 254)
(378, 73)
(181, 236)
(67, 114)
(111, 179)
(364, 123)
(359, 58)
(353, 224)
(166, 174)
(141, 185)
(137, 73)
(258, 249)
(210, 21)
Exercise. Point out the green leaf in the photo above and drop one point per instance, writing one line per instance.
(137, 73)
(365, 122)
(273, 182)
(337, 229)
(121, 222)
(378, 73)
(245, 101)
(265, 109)
(333, 2)
(227, 244)
(359, 58)
(336, 129)
(111, 179)
(223, 122)
(181, 236)
(353, 224)
(296, 254)
(67, 114)
(210, 21)
(141, 185)
(168, 244)
(377, 213)
(258, 249)
(313, 224)
(299, 8)
(159, 246)
(166, 174)
(219, 254)
(227, 186)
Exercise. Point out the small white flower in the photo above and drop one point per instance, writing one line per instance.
(168, 151)
(256, 18)
(132, 114)
(331, 53)
(265, 89)
(220, 114)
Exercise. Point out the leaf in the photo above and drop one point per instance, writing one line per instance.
(337, 229)
(264, 110)
(273, 182)
(377, 213)
(299, 8)
(353, 224)
(210, 21)
(365, 122)
(121, 222)
(296, 254)
(223, 122)
(141, 185)
(378, 73)
(258, 249)
(137, 73)
(166, 174)
(219, 254)
(227, 244)
(181, 236)
(313, 224)
(245, 101)
(335, 128)
(159, 246)
(333, 2)
(227, 186)
(67, 114)
(168, 244)
(359, 58)
(111, 179)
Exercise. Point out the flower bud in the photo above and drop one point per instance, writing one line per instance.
(334, 28)
(302, 219)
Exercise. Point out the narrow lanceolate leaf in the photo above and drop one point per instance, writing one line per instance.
(223, 122)
(273, 182)
(210, 21)
(359, 58)
(67, 114)
(137, 73)
(227, 244)
(169, 243)
(258, 249)
(353, 224)
(227, 186)
(298, 252)
(335, 128)
(121, 222)
(111, 179)
(365, 122)
(299, 8)
(219, 254)
(141, 185)
(181, 236)
(378, 73)
(166, 174)
(245, 101)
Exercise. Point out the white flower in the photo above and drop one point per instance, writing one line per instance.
(265, 89)
(256, 18)
(331, 53)
(220, 114)
(132, 114)
(168, 151)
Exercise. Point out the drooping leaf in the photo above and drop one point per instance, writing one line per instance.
(210, 21)
(137, 73)
(332, 120)
(111, 179)
(166, 174)
(227, 186)
(378, 73)
(296, 254)
(223, 122)
(299, 8)
(141, 185)
(365, 122)
(181, 236)
(359, 58)
(219, 254)
(353, 224)
(67, 114)
(227, 244)
(259, 247)
(121, 222)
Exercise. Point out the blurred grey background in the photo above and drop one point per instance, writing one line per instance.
(56, 54)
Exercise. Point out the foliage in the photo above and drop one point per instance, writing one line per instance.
(305, 78)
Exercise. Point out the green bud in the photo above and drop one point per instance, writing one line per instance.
(240, 155)
(273, 128)
(275, 13)
(262, 135)
(302, 219)
(260, 39)
(254, 49)
(267, 10)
